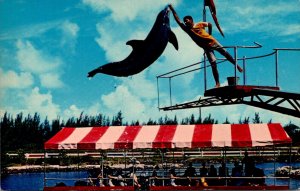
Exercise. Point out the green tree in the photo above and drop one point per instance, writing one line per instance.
(209, 120)
(192, 120)
(226, 121)
(118, 120)
(294, 132)
(55, 126)
(256, 119)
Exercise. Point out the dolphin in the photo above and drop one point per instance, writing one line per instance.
(213, 11)
(144, 52)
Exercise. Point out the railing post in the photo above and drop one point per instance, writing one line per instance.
(170, 85)
(157, 92)
(205, 81)
(45, 184)
(244, 67)
(235, 59)
(276, 66)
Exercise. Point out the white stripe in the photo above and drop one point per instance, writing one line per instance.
(221, 135)
(260, 134)
(183, 136)
(111, 135)
(76, 136)
(146, 136)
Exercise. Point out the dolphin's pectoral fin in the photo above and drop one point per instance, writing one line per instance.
(135, 44)
(173, 39)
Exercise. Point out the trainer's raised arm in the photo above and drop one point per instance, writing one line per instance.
(175, 14)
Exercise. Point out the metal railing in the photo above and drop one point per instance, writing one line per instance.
(188, 69)
(166, 181)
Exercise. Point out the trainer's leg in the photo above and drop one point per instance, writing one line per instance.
(215, 73)
(212, 59)
(224, 52)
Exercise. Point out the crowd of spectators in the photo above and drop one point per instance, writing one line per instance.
(242, 173)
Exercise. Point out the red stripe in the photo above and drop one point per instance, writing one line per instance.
(202, 136)
(240, 135)
(278, 134)
(58, 138)
(164, 136)
(89, 141)
(126, 139)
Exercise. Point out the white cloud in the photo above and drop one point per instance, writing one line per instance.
(51, 80)
(70, 29)
(260, 16)
(140, 86)
(32, 101)
(39, 63)
(42, 103)
(72, 111)
(126, 9)
(11, 79)
(114, 45)
(123, 100)
(293, 29)
(33, 60)
(28, 31)
(69, 34)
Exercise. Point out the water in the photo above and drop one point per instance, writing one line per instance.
(34, 181)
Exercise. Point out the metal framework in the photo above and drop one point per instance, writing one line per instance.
(265, 97)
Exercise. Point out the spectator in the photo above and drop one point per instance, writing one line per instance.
(154, 176)
(173, 176)
(120, 179)
(223, 170)
(108, 172)
(212, 172)
(203, 170)
(223, 173)
(189, 173)
(247, 163)
(237, 171)
(257, 172)
(135, 179)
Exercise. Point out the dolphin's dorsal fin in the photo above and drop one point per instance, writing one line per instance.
(173, 39)
(135, 43)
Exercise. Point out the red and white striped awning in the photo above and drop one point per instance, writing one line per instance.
(168, 136)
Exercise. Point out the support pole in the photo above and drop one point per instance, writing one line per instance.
(235, 68)
(78, 160)
(157, 93)
(170, 91)
(274, 163)
(102, 174)
(244, 67)
(45, 168)
(225, 165)
(162, 161)
(290, 161)
(276, 66)
(205, 80)
(204, 55)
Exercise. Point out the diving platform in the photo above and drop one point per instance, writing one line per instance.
(265, 97)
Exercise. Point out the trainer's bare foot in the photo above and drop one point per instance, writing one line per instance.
(217, 85)
(239, 69)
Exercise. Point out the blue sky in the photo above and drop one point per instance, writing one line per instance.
(48, 47)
